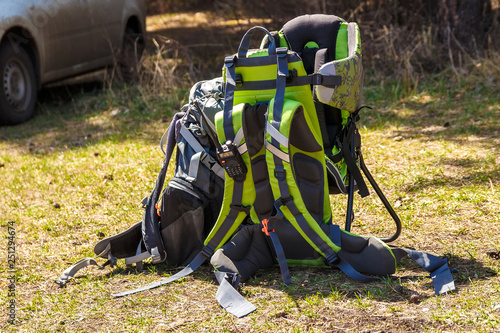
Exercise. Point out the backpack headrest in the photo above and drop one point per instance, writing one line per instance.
(314, 37)
(329, 45)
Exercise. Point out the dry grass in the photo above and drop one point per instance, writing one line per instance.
(77, 172)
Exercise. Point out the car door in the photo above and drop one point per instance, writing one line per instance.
(107, 26)
(66, 30)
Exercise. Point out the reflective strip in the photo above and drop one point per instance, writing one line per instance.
(242, 149)
(276, 134)
(239, 136)
(277, 152)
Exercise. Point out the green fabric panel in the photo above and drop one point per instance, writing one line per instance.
(248, 187)
(341, 50)
(283, 42)
(287, 116)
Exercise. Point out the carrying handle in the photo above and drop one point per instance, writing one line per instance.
(245, 42)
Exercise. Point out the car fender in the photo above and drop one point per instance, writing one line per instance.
(16, 15)
(134, 8)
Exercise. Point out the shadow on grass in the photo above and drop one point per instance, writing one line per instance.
(331, 283)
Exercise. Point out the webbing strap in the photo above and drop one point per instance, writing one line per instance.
(201, 156)
(329, 253)
(330, 81)
(343, 145)
(440, 272)
(278, 249)
(194, 165)
(229, 65)
(229, 298)
(137, 258)
(70, 272)
(73, 269)
(205, 253)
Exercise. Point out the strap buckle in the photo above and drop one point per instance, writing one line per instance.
(206, 251)
(229, 61)
(155, 255)
(291, 74)
(332, 259)
(282, 51)
(280, 173)
(265, 228)
(240, 208)
(239, 80)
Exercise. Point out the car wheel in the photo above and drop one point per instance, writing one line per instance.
(130, 55)
(18, 88)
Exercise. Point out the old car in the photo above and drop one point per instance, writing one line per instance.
(42, 41)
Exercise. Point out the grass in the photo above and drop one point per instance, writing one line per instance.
(77, 173)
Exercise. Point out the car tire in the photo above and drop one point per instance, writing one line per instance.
(130, 55)
(18, 87)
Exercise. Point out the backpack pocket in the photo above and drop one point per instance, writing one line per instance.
(186, 218)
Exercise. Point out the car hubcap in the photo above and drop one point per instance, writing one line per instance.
(16, 85)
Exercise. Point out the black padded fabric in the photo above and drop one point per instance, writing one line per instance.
(300, 133)
(319, 28)
(253, 127)
(250, 251)
(264, 199)
(374, 258)
(123, 245)
(366, 254)
(245, 254)
(309, 175)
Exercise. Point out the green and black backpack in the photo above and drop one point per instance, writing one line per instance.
(286, 139)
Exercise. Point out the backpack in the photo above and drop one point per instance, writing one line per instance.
(286, 139)
(177, 217)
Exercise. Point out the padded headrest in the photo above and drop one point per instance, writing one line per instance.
(318, 28)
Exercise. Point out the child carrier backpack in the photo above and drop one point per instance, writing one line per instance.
(177, 217)
(286, 140)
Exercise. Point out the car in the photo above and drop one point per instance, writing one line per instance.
(43, 41)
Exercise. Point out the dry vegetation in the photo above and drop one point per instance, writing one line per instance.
(76, 173)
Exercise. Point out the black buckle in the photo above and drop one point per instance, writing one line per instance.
(207, 251)
(239, 80)
(291, 74)
(240, 208)
(229, 61)
(282, 51)
(280, 173)
(332, 259)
